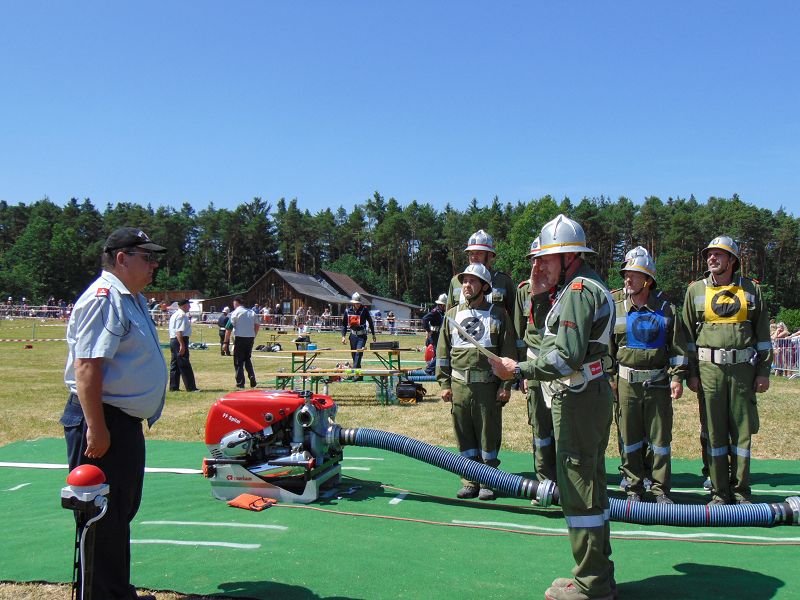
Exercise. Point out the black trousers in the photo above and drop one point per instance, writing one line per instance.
(222, 342)
(180, 367)
(242, 351)
(123, 466)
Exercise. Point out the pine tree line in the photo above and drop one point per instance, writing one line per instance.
(406, 252)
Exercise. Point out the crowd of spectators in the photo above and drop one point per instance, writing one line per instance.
(786, 349)
(52, 309)
(304, 318)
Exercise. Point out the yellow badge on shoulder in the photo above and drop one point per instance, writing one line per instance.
(101, 292)
(576, 285)
(725, 304)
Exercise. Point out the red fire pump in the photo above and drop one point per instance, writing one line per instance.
(272, 444)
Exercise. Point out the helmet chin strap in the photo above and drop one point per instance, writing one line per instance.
(563, 274)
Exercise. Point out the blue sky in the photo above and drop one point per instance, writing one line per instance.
(441, 102)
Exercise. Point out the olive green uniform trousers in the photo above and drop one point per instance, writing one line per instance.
(582, 422)
(732, 417)
(645, 421)
(540, 418)
(477, 422)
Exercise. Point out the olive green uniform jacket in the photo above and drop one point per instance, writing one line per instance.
(574, 343)
(644, 399)
(529, 339)
(476, 414)
(728, 345)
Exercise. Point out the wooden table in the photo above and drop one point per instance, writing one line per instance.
(384, 379)
(302, 368)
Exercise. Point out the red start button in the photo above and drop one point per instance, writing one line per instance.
(85, 476)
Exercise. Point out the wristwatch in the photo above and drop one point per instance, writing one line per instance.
(517, 373)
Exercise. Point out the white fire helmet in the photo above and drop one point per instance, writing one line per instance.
(634, 252)
(479, 271)
(722, 242)
(562, 235)
(226, 310)
(442, 299)
(357, 298)
(641, 264)
(535, 247)
(480, 240)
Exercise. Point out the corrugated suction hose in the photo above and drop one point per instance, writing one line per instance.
(546, 492)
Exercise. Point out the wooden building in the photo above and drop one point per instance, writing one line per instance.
(345, 285)
(287, 290)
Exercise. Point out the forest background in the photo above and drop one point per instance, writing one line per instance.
(406, 252)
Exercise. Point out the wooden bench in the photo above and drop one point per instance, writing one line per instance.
(383, 378)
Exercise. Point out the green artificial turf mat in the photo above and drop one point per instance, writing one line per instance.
(392, 529)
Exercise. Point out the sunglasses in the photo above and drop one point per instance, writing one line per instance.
(150, 257)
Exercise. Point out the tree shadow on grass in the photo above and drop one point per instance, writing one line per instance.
(703, 581)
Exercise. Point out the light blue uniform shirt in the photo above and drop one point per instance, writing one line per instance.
(109, 322)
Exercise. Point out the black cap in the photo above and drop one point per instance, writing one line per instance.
(130, 237)
(182, 301)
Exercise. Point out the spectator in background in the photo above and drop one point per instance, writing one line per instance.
(780, 330)
(432, 322)
(243, 325)
(222, 324)
(326, 317)
(390, 319)
(180, 329)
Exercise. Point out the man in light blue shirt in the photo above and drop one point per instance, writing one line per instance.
(116, 377)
